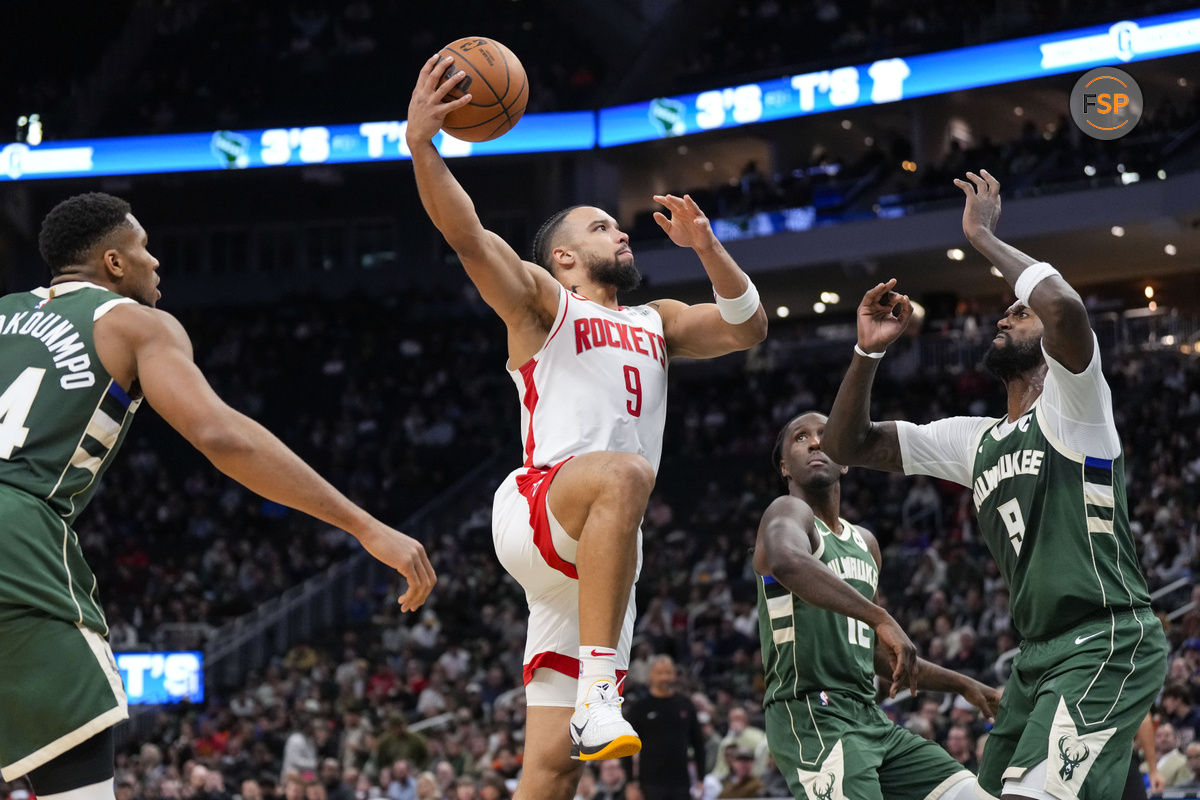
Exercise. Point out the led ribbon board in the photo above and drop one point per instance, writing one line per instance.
(884, 81)
(162, 677)
(277, 147)
(892, 79)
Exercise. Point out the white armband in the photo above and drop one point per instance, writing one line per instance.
(1030, 278)
(739, 309)
(865, 354)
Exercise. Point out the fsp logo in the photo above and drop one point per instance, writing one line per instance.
(1106, 103)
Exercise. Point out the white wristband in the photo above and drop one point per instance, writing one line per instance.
(1029, 278)
(739, 309)
(865, 354)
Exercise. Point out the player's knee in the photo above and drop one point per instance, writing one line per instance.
(630, 475)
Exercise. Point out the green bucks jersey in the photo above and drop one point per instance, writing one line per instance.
(62, 418)
(807, 649)
(1056, 522)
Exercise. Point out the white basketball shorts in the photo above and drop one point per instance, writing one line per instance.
(540, 555)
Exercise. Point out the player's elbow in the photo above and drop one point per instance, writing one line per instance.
(757, 327)
(1062, 307)
(752, 331)
(219, 438)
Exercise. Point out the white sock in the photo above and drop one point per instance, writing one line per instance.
(595, 664)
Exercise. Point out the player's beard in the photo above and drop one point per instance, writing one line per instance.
(1014, 358)
(611, 272)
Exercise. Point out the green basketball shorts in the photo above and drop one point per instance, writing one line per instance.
(832, 746)
(60, 687)
(1075, 701)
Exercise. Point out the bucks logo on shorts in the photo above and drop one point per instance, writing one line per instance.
(1073, 752)
(825, 783)
(824, 791)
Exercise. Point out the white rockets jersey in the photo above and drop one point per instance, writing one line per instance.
(599, 383)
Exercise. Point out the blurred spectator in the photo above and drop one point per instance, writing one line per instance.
(1172, 764)
(1191, 781)
(741, 782)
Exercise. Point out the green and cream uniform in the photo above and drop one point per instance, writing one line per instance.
(1049, 490)
(826, 733)
(62, 418)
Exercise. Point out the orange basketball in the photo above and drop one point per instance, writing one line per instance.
(497, 84)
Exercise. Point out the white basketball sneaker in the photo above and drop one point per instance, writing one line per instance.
(598, 731)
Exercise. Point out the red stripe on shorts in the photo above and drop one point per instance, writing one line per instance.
(534, 485)
(565, 664)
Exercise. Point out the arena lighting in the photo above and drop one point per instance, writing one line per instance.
(996, 272)
(1089, 170)
(819, 307)
(1149, 292)
(1170, 249)
(955, 254)
(847, 124)
(782, 312)
(1130, 177)
(1117, 230)
(884, 81)
(1162, 174)
(1153, 306)
(832, 298)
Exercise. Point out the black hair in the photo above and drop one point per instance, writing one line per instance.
(76, 224)
(543, 240)
(777, 450)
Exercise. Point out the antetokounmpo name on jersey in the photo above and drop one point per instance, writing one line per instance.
(599, 332)
(61, 341)
(1022, 462)
(857, 569)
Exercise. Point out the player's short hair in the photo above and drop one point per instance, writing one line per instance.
(76, 224)
(777, 450)
(543, 240)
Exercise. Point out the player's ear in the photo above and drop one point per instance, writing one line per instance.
(563, 257)
(111, 260)
(783, 470)
(845, 470)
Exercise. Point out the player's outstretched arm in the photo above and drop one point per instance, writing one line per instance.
(851, 438)
(784, 551)
(1067, 336)
(704, 330)
(150, 347)
(932, 678)
(506, 283)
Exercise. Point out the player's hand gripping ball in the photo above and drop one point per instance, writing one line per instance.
(496, 82)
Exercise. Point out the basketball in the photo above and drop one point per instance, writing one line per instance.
(497, 84)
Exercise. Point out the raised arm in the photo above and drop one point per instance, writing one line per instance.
(701, 331)
(784, 551)
(851, 438)
(512, 287)
(1067, 336)
(149, 348)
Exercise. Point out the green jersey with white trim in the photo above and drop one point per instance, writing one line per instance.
(62, 419)
(808, 649)
(1057, 523)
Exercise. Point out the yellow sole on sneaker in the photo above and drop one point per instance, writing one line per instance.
(619, 747)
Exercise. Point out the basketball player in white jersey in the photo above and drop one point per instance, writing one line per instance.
(591, 377)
